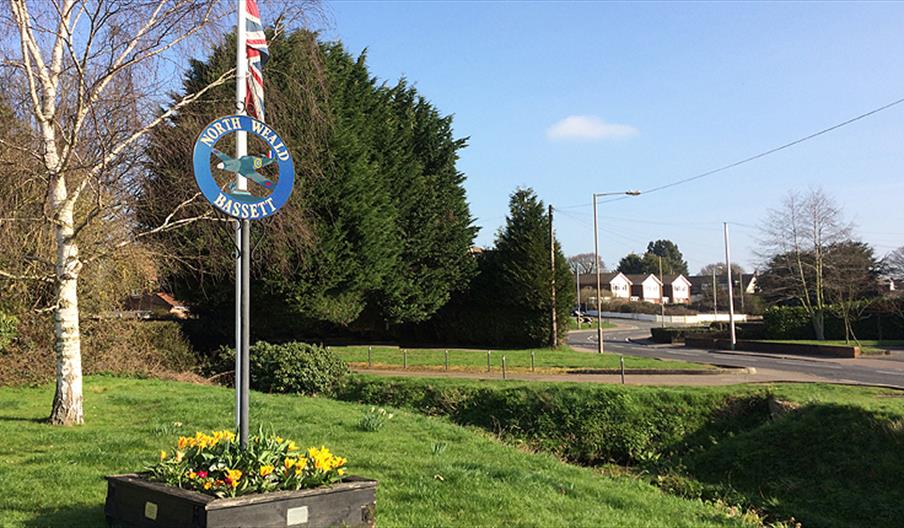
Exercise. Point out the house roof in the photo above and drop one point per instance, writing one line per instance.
(170, 300)
(640, 278)
(589, 279)
(670, 278)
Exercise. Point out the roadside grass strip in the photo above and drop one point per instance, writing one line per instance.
(546, 361)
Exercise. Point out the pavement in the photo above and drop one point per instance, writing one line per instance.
(628, 339)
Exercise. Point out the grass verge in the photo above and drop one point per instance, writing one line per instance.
(867, 346)
(546, 360)
(52, 476)
(829, 457)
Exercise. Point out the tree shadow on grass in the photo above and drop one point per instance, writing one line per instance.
(75, 516)
(24, 419)
(826, 465)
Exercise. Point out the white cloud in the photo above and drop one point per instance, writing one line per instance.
(588, 128)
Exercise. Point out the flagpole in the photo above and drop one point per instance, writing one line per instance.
(241, 184)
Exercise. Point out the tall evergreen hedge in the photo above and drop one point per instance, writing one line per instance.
(377, 231)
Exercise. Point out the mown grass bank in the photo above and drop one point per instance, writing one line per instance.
(475, 360)
(867, 346)
(431, 472)
(830, 456)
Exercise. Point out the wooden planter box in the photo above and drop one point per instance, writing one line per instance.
(133, 501)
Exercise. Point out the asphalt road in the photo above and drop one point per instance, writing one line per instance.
(867, 371)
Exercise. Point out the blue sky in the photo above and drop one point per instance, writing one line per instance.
(572, 98)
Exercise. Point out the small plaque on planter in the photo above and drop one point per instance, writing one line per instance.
(297, 516)
(150, 511)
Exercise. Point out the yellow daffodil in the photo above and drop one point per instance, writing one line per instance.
(289, 462)
(163, 455)
(266, 470)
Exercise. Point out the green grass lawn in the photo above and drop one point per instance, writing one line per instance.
(53, 476)
(545, 359)
(867, 346)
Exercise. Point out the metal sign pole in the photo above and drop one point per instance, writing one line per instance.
(730, 293)
(246, 331)
(241, 184)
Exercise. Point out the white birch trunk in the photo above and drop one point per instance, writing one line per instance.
(67, 401)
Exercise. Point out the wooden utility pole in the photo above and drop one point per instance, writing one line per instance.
(554, 340)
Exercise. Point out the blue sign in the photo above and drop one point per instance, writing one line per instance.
(232, 201)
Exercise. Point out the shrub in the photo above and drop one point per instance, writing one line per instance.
(787, 322)
(8, 329)
(677, 334)
(115, 346)
(298, 368)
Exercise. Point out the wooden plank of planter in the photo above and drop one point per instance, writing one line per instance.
(134, 501)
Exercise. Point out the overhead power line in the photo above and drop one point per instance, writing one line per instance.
(777, 149)
(761, 154)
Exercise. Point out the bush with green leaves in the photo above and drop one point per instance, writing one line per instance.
(677, 334)
(298, 368)
(8, 329)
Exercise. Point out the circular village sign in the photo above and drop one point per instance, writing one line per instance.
(269, 195)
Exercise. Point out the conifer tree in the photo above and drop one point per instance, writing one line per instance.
(523, 270)
(377, 230)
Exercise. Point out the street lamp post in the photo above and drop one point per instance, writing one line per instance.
(596, 264)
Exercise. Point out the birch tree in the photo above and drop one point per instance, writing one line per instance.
(794, 244)
(89, 78)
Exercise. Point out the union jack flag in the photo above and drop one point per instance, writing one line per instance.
(258, 54)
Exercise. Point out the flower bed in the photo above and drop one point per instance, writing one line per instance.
(209, 479)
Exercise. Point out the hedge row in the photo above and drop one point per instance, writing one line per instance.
(677, 334)
(793, 322)
(113, 346)
(587, 424)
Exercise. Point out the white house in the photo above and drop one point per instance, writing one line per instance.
(646, 288)
(677, 289)
(617, 283)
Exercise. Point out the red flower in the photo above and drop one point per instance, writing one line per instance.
(202, 474)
